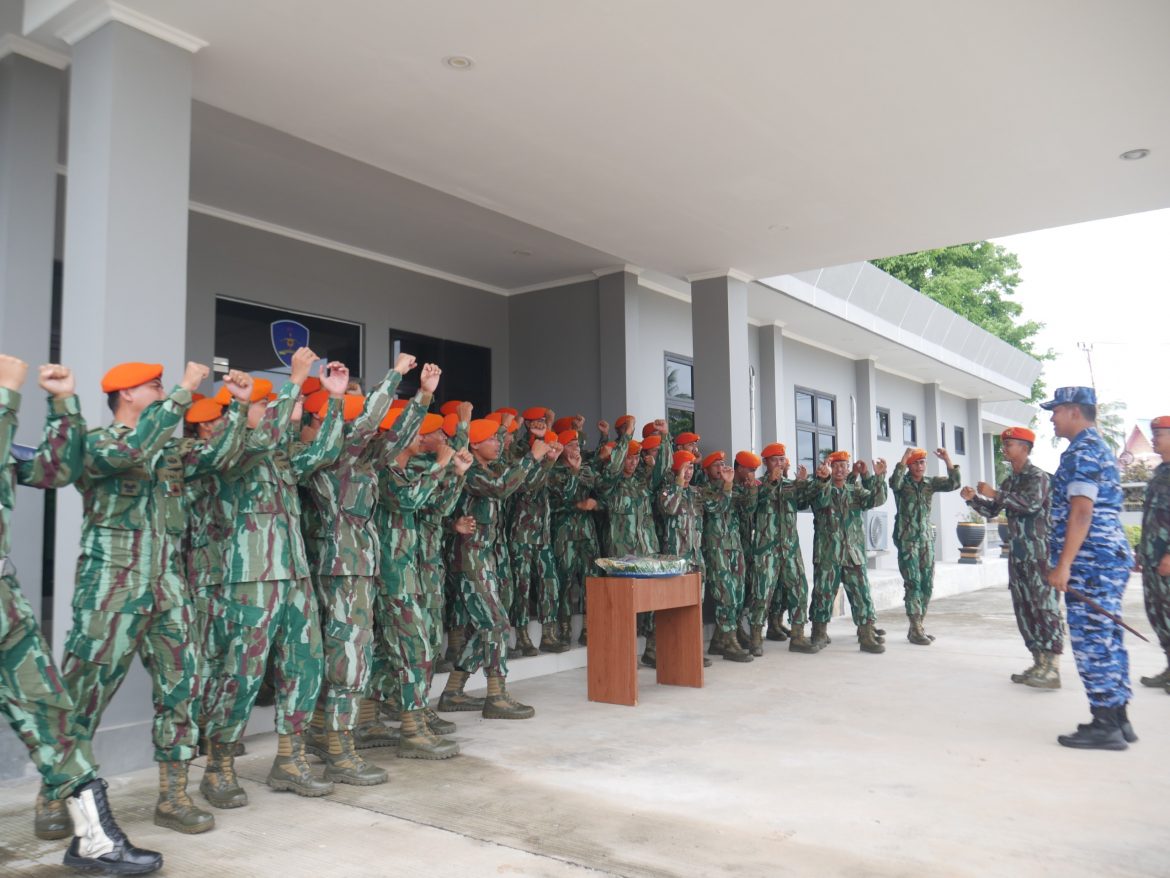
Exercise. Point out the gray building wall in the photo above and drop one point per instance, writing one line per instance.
(664, 326)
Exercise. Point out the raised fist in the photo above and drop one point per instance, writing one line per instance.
(802, 472)
(334, 378)
(554, 450)
(12, 372)
(193, 376)
(302, 361)
(444, 455)
(464, 412)
(462, 461)
(57, 380)
(403, 363)
(879, 466)
(967, 492)
(539, 449)
(429, 378)
(824, 471)
(578, 423)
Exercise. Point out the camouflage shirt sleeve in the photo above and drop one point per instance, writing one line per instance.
(202, 458)
(875, 487)
(952, 481)
(405, 428)
(898, 477)
(323, 450)
(481, 482)
(59, 458)
(108, 454)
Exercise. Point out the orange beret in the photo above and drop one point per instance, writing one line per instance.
(271, 396)
(648, 429)
(622, 421)
(310, 385)
(611, 445)
(450, 407)
(651, 442)
(1026, 435)
(1160, 423)
(261, 387)
(713, 457)
(917, 454)
(430, 423)
(513, 427)
(450, 425)
(681, 459)
(505, 410)
(494, 417)
(223, 397)
(353, 404)
(748, 459)
(399, 403)
(127, 375)
(195, 397)
(387, 422)
(203, 410)
(635, 448)
(535, 413)
(481, 429)
(560, 425)
(686, 438)
(776, 449)
(567, 436)
(836, 456)
(315, 402)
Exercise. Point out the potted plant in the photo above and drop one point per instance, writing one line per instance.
(971, 532)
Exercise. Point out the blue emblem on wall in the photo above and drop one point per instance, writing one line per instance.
(287, 336)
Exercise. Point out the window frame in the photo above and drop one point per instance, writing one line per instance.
(886, 437)
(912, 420)
(814, 427)
(960, 440)
(681, 404)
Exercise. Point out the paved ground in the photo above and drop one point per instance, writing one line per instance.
(922, 761)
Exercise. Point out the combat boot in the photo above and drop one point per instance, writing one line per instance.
(389, 713)
(290, 769)
(799, 643)
(456, 638)
(99, 844)
(565, 630)
(732, 651)
(205, 747)
(820, 635)
(524, 642)
(370, 732)
(453, 698)
(1047, 673)
(742, 637)
(867, 639)
(549, 641)
(1158, 681)
(650, 653)
(583, 637)
(175, 810)
(316, 742)
(718, 642)
(419, 741)
(1103, 733)
(343, 764)
(1127, 731)
(776, 630)
(916, 635)
(756, 646)
(1024, 674)
(219, 785)
(500, 705)
(51, 818)
(437, 724)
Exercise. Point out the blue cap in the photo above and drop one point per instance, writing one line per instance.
(1071, 395)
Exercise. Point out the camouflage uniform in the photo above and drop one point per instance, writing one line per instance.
(723, 554)
(746, 496)
(1101, 567)
(130, 595)
(682, 515)
(781, 581)
(268, 601)
(342, 540)
(1024, 498)
(622, 496)
(839, 546)
(530, 548)
(912, 534)
(31, 693)
(574, 534)
(1154, 546)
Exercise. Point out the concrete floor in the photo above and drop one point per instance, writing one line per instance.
(922, 761)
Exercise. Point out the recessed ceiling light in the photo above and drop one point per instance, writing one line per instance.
(1132, 155)
(458, 62)
(521, 252)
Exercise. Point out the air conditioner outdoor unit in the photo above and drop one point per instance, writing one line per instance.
(877, 530)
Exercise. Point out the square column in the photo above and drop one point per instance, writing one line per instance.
(866, 429)
(771, 384)
(617, 297)
(719, 329)
(975, 465)
(929, 439)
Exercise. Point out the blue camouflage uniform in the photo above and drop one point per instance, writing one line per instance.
(1101, 568)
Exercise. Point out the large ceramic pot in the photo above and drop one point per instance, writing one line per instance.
(1005, 544)
(971, 535)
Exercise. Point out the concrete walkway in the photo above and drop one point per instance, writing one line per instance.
(922, 761)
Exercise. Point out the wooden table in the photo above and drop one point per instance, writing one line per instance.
(612, 606)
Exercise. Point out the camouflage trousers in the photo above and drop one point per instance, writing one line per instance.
(34, 699)
(781, 586)
(487, 646)
(347, 635)
(1156, 593)
(208, 636)
(1096, 640)
(826, 580)
(1037, 606)
(413, 644)
(278, 616)
(725, 576)
(916, 565)
(533, 563)
(574, 560)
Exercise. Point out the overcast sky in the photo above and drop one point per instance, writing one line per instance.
(1104, 283)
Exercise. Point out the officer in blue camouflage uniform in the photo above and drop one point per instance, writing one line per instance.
(1088, 551)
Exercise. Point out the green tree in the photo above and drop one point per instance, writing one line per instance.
(976, 281)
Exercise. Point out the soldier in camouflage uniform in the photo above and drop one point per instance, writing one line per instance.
(1024, 498)
(1088, 551)
(621, 493)
(839, 546)
(1154, 550)
(36, 703)
(342, 540)
(269, 604)
(681, 506)
(912, 534)
(572, 510)
(485, 490)
(746, 493)
(723, 557)
(781, 583)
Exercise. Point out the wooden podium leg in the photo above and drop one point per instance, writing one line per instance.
(679, 644)
(613, 642)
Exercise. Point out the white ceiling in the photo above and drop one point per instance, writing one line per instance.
(688, 136)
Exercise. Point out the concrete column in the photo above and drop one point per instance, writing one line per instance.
(771, 384)
(30, 107)
(125, 268)
(865, 428)
(929, 439)
(617, 297)
(973, 467)
(719, 328)
(989, 459)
